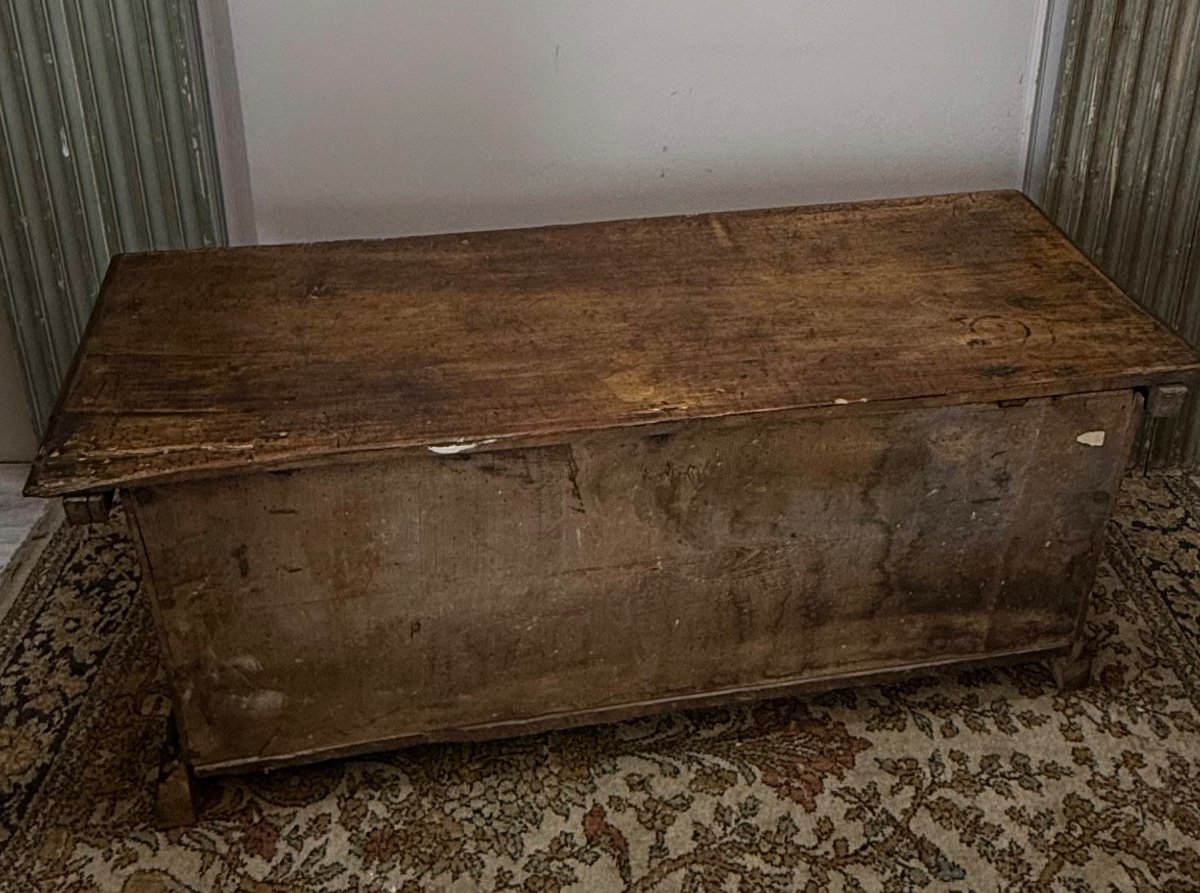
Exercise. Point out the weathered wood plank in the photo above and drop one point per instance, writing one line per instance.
(272, 357)
(343, 608)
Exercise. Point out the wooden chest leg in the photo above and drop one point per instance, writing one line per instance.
(1073, 670)
(175, 802)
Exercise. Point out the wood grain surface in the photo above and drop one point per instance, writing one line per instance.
(204, 362)
(344, 608)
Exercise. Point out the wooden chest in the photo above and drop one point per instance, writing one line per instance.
(474, 485)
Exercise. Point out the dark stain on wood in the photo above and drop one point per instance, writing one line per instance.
(243, 562)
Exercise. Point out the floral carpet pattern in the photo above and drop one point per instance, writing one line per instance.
(980, 780)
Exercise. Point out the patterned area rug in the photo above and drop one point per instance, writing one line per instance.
(976, 781)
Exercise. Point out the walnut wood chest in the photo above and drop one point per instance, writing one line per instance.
(475, 485)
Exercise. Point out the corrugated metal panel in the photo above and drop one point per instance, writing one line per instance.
(107, 147)
(1123, 176)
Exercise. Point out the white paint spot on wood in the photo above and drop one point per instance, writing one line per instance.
(842, 401)
(451, 448)
(1091, 438)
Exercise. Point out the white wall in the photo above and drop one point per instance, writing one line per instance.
(378, 117)
(16, 428)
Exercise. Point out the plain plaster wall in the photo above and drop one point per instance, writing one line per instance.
(376, 117)
(16, 428)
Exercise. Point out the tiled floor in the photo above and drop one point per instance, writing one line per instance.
(25, 525)
(17, 514)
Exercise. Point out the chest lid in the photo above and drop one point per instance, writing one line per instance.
(213, 361)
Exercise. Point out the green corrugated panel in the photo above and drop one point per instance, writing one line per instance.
(1123, 177)
(106, 147)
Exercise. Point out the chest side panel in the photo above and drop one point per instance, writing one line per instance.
(329, 608)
